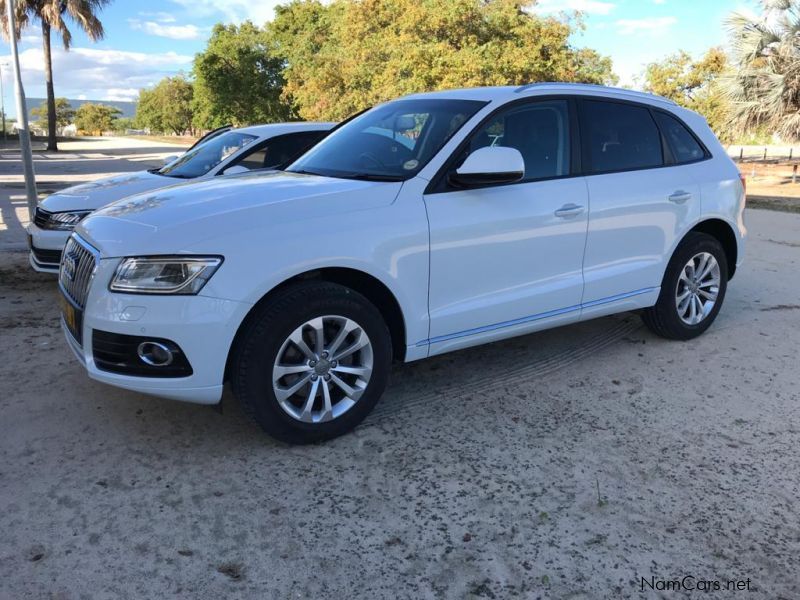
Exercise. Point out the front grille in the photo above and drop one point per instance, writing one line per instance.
(46, 257)
(117, 353)
(77, 267)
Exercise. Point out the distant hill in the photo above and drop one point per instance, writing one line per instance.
(128, 108)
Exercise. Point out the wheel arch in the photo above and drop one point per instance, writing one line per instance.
(369, 286)
(724, 233)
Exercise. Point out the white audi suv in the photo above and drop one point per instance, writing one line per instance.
(224, 151)
(424, 225)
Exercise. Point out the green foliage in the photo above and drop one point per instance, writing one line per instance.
(122, 125)
(346, 55)
(65, 114)
(764, 84)
(694, 85)
(167, 108)
(95, 119)
(238, 79)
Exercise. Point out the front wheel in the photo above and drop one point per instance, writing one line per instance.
(312, 363)
(693, 289)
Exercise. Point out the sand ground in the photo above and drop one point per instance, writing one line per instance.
(565, 464)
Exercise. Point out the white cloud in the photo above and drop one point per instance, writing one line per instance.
(659, 1)
(236, 11)
(650, 25)
(594, 7)
(175, 32)
(121, 94)
(161, 17)
(88, 72)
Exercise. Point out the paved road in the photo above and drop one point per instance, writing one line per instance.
(565, 464)
(77, 162)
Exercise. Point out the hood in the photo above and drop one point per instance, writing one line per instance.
(95, 194)
(189, 217)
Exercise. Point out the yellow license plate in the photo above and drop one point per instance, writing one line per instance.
(69, 315)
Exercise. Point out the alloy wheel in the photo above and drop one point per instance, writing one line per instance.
(322, 369)
(698, 288)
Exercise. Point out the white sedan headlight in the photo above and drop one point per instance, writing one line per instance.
(60, 221)
(164, 274)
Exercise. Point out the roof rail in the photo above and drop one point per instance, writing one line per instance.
(599, 88)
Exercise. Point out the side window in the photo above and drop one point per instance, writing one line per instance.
(280, 150)
(619, 137)
(683, 144)
(254, 159)
(539, 130)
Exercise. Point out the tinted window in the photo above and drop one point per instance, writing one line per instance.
(389, 142)
(280, 150)
(201, 159)
(540, 131)
(619, 137)
(683, 144)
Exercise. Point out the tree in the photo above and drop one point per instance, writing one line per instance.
(51, 13)
(237, 79)
(167, 108)
(65, 114)
(122, 125)
(346, 55)
(694, 85)
(764, 84)
(96, 118)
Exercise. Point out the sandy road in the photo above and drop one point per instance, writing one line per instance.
(569, 463)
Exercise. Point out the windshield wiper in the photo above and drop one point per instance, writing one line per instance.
(353, 175)
(371, 177)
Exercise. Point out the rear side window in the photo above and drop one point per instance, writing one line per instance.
(281, 150)
(539, 130)
(619, 137)
(683, 144)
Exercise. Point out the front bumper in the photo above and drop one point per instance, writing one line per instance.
(45, 248)
(202, 326)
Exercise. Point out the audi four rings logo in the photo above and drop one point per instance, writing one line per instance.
(70, 265)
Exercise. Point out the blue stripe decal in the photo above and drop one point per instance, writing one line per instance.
(537, 317)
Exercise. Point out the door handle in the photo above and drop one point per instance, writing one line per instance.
(569, 210)
(680, 197)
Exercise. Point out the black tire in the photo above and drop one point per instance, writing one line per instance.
(265, 332)
(663, 319)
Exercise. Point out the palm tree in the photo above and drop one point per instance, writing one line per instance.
(764, 84)
(51, 14)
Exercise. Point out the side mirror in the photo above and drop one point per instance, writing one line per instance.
(170, 159)
(235, 170)
(489, 165)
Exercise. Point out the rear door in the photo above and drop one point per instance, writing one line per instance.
(640, 200)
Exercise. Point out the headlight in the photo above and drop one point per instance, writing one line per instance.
(164, 274)
(61, 221)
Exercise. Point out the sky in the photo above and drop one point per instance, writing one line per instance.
(149, 39)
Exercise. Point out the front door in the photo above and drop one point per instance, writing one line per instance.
(507, 259)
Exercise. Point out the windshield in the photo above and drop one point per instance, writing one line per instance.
(201, 159)
(391, 142)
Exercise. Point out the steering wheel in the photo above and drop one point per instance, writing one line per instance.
(373, 158)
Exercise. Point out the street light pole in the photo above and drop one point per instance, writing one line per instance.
(22, 116)
(3, 102)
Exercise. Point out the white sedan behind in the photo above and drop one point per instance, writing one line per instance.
(223, 152)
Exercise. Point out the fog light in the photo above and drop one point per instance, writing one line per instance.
(155, 354)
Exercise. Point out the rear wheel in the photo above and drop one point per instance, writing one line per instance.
(312, 363)
(693, 289)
